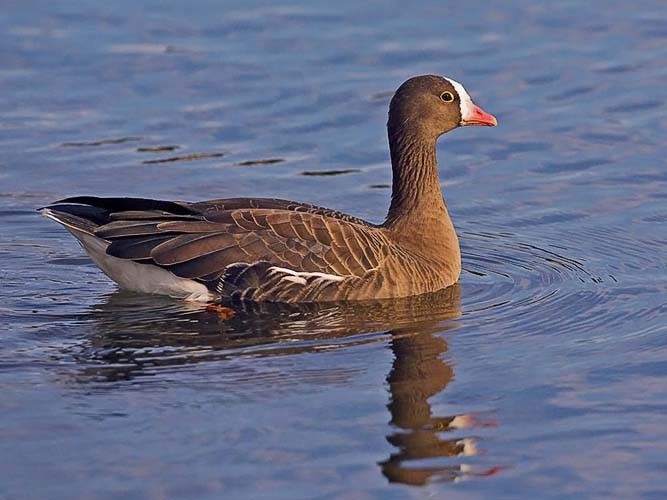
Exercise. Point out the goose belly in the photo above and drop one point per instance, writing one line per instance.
(145, 278)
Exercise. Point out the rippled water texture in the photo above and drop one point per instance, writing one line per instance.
(543, 375)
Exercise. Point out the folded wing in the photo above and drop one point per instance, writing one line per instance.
(226, 240)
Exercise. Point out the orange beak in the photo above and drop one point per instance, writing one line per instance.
(476, 116)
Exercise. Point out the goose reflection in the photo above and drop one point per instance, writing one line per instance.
(419, 373)
(134, 337)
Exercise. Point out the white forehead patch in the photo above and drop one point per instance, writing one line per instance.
(465, 102)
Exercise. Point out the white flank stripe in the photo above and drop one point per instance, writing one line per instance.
(294, 279)
(303, 275)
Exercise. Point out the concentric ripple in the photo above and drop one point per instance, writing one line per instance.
(535, 287)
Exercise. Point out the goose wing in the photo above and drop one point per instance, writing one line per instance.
(215, 241)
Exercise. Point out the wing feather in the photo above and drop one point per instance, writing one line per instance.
(185, 247)
(136, 248)
(124, 228)
(200, 240)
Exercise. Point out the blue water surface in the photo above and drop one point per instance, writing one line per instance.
(542, 375)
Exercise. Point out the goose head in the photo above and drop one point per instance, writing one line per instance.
(430, 106)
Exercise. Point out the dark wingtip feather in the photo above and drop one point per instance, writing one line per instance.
(78, 217)
(130, 204)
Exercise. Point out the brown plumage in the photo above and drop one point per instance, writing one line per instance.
(277, 250)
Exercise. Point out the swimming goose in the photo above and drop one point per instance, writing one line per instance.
(263, 249)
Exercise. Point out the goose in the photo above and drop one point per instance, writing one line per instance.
(264, 249)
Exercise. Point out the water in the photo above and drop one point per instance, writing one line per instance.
(543, 375)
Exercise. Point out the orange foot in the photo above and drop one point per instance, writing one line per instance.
(221, 311)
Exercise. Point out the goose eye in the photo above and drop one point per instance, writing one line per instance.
(447, 96)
